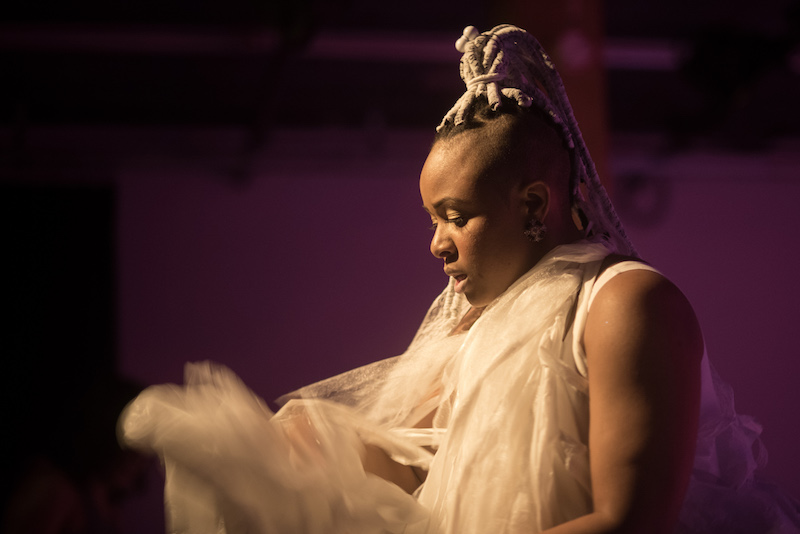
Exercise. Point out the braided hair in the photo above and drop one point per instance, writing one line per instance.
(506, 71)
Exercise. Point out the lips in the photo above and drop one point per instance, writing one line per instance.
(460, 279)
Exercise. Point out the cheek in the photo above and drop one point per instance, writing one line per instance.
(489, 252)
(475, 241)
(503, 254)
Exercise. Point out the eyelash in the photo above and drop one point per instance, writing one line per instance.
(458, 221)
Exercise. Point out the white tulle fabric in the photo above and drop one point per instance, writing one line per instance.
(510, 432)
(233, 467)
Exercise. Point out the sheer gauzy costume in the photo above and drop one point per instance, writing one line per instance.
(510, 396)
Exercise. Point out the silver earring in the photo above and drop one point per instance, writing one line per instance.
(535, 230)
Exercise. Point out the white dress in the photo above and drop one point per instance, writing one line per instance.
(510, 431)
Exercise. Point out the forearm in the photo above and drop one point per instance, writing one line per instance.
(596, 523)
(377, 462)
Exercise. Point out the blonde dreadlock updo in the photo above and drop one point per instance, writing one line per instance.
(507, 71)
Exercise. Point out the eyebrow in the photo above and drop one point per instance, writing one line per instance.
(445, 200)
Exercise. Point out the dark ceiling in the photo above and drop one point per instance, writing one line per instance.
(734, 72)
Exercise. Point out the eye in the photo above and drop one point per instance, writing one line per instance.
(460, 222)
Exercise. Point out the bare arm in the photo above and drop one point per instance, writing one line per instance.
(377, 462)
(302, 436)
(643, 347)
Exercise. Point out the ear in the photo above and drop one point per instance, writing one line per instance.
(536, 197)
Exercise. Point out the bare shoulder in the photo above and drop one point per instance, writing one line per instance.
(636, 284)
(643, 309)
(643, 294)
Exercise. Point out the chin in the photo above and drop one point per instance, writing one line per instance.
(478, 301)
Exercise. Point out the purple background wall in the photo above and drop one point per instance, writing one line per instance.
(728, 239)
(319, 263)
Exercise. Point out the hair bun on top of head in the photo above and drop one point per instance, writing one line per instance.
(494, 64)
(509, 62)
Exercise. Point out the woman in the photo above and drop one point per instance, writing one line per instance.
(556, 379)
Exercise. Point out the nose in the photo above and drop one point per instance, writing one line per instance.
(441, 244)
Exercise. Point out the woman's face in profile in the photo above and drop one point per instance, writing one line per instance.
(478, 224)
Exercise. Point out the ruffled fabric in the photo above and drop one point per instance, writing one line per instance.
(726, 493)
(515, 455)
(510, 432)
(233, 467)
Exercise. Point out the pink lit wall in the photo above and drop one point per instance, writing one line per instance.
(729, 240)
(319, 262)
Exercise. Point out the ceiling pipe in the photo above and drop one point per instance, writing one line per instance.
(617, 54)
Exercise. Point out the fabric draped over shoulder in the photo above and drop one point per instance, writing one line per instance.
(510, 431)
(515, 455)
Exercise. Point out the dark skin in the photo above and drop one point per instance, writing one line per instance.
(643, 347)
(642, 340)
